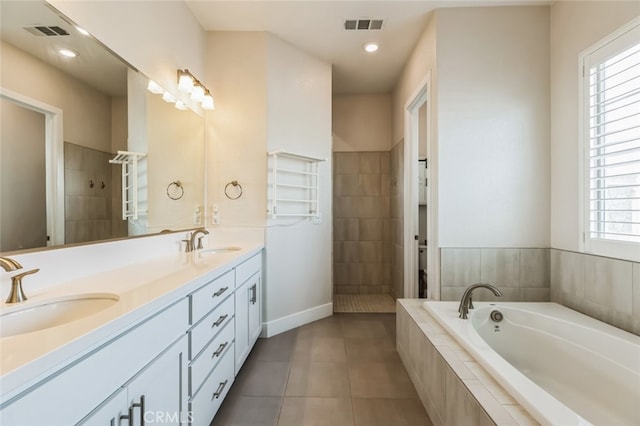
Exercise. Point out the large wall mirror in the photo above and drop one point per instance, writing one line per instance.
(63, 118)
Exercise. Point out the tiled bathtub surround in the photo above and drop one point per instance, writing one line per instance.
(603, 288)
(361, 222)
(454, 388)
(522, 274)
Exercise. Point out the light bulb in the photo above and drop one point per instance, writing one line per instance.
(371, 47)
(154, 88)
(185, 82)
(197, 94)
(168, 97)
(207, 102)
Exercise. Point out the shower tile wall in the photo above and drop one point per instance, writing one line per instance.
(601, 287)
(88, 210)
(361, 223)
(522, 274)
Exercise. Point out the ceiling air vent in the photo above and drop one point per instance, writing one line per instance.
(363, 24)
(52, 31)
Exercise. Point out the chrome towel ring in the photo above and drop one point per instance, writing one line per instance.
(175, 190)
(237, 188)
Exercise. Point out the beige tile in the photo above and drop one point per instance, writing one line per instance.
(370, 251)
(388, 412)
(451, 293)
(500, 267)
(385, 158)
(460, 267)
(249, 411)
(316, 412)
(369, 185)
(346, 289)
(385, 184)
(370, 229)
(276, 348)
(338, 251)
(318, 379)
(501, 395)
(72, 156)
(345, 207)
(453, 360)
(567, 272)
(509, 294)
(536, 295)
(370, 207)
(364, 329)
(461, 408)
(433, 378)
(636, 299)
(351, 251)
(345, 185)
(608, 282)
(327, 327)
(320, 349)
(262, 378)
(346, 274)
(370, 350)
(370, 163)
(346, 229)
(534, 268)
(380, 380)
(375, 274)
(347, 162)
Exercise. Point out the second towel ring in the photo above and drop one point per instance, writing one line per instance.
(235, 184)
(178, 191)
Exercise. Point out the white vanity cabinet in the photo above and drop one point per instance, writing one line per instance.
(68, 395)
(248, 300)
(155, 395)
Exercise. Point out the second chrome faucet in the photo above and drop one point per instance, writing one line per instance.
(466, 301)
(191, 241)
(16, 294)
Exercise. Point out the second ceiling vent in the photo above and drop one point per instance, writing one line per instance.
(363, 24)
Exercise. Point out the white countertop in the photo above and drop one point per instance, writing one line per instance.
(142, 289)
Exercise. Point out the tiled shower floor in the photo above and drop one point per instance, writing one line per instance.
(342, 370)
(374, 303)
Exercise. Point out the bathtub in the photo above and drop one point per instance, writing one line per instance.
(563, 367)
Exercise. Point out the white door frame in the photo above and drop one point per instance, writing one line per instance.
(420, 96)
(54, 161)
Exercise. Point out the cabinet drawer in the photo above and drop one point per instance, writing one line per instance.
(209, 357)
(210, 325)
(207, 400)
(246, 269)
(206, 298)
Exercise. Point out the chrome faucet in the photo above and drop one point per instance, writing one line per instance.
(191, 245)
(16, 294)
(466, 301)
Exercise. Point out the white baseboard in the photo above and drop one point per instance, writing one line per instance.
(292, 321)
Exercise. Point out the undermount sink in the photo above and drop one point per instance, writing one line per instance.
(34, 316)
(216, 250)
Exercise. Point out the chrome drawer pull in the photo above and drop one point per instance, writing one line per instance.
(218, 392)
(219, 292)
(219, 321)
(254, 294)
(219, 350)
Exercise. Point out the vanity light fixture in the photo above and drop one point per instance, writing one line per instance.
(168, 97)
(68, 53)
(181, 106)
(187, 83)
(371, 47)
(155, 88)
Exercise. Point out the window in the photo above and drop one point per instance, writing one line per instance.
(611, 145)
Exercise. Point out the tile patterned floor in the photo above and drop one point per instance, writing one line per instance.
(340, 371)
(377, 303)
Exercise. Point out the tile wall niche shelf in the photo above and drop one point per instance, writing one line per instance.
(293, 185)
(129, 161)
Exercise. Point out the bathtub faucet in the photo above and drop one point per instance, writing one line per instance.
(466, 302)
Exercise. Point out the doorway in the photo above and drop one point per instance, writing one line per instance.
(421, 275)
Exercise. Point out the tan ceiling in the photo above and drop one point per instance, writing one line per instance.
(316, 26)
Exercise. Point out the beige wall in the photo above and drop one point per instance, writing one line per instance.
(575, 26)
(493, 127)
(86, 112)
(361, 122)
(270, 95)
(23, 220)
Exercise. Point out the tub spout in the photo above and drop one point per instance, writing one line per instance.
(466, 301)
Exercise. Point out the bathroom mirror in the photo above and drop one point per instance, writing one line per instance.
(64, 118)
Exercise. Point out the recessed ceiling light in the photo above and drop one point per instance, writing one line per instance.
(371, 47)
(68, 53)
(82, 31)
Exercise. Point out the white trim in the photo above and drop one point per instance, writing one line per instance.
(54, 161)
(420, 96)
(298, 319)
(611, 248)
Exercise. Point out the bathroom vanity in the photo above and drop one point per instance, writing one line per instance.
(166, 352)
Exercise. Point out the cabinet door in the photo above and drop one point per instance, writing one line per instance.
(242, 325)
(158, 393)
(255, 303)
